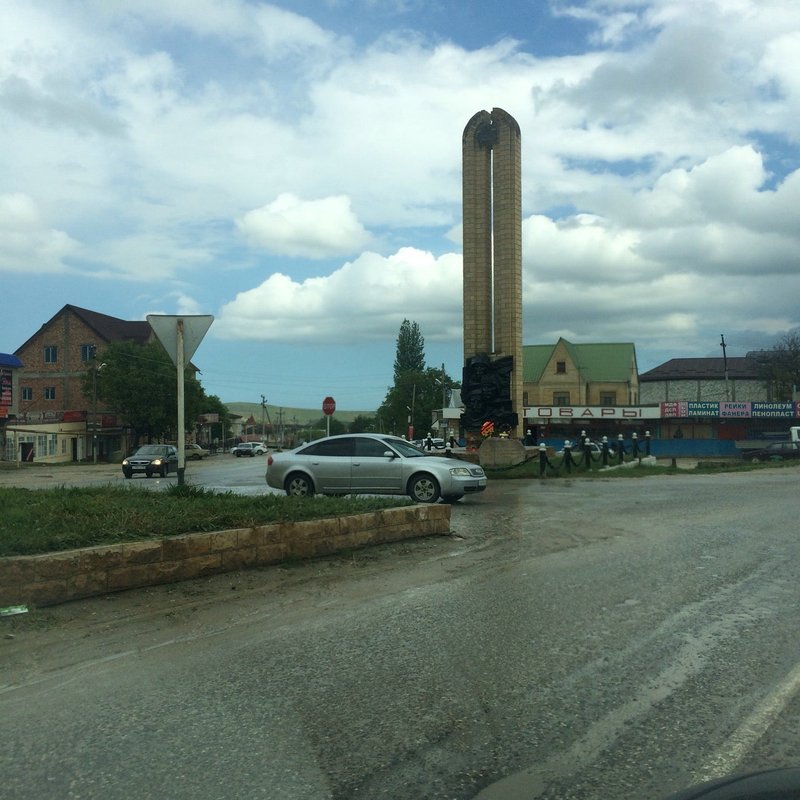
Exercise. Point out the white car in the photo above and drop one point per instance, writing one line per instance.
(249, 449)
(364, 463)
(195, 451)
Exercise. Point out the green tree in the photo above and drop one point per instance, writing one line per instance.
(410, 356)
(139, 384)
(780, 366)
(337, 426)
(362, 424)
(416, 391)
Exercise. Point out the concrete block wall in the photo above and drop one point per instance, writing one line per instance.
(54, 578)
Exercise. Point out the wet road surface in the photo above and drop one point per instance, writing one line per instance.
(600, 639)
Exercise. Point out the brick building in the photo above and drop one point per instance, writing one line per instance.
(564, 374)
(700, 379)
(55, 420)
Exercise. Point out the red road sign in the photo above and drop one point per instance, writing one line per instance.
(328, 406)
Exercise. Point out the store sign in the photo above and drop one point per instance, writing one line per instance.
(763, 410)
(735, 410)
(592, 412)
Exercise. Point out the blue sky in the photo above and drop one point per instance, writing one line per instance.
(293, 168)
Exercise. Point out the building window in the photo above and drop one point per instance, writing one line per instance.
(525, 399)
(87, 352)
(560, 398)
(608, 398)
(49, 392)
(561, 367)
(27, 393)
(51, 354)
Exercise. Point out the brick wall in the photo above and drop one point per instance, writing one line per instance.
(67, 332)
(59, 577)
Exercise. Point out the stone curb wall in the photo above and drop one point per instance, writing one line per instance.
(53, 578)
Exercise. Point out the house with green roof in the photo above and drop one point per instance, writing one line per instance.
(568, 374)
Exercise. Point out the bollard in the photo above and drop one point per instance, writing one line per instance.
(568, 455)
(647, 443)
(605, 451)
(542, 459)
(620, 448)
(635, 445)
(587, 453)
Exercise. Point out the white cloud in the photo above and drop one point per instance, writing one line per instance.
(306, 228)
(27, 245)
(364, 300)
(142, 141)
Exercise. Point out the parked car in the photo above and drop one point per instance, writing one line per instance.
(195, 452)
(249, 449)
(151, 459)
(595, 449)
(365, 463)
(776, 451)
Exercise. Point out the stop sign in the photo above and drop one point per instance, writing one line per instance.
(328, 406)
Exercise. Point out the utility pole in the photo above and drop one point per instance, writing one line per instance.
(725, 362)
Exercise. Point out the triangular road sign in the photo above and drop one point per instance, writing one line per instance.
(195, 327)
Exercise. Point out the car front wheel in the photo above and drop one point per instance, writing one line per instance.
(298, 485)
(127, 473)
(423, 489)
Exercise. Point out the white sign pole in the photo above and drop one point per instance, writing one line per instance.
(181, 411)
(180, 337)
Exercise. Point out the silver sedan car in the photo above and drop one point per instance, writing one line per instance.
(366, 463)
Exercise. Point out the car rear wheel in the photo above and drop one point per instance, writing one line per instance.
(423, 489)
(298, 485)
(755, 460)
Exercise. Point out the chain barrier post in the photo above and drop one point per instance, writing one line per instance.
(568, 455)
(635, 445)
(620, 448)
(605, 451)
(587, 452)
(647, 443)
(542, 460)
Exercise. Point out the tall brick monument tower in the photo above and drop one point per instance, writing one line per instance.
(492, 209)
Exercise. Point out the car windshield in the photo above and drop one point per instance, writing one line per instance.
(406, 449)
(152, 450)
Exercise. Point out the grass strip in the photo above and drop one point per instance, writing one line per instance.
(49, 520)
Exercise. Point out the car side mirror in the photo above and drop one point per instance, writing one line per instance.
(389, 454)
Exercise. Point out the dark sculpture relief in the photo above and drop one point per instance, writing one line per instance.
(486, 393)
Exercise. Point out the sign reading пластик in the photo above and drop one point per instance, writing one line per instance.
(702, 409)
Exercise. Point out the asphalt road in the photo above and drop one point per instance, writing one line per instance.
(605, 639)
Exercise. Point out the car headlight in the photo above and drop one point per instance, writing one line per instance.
(156, 462)
(125, 462)
(461, 472)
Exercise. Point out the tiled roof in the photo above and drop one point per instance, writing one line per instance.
(8, 360)
(596, 362)
(113, 329)
(703, 369)
(109, 329)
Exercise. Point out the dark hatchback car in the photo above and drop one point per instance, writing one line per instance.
(777, 451)
(151, 459)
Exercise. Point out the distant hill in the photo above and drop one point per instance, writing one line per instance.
(292, 416)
